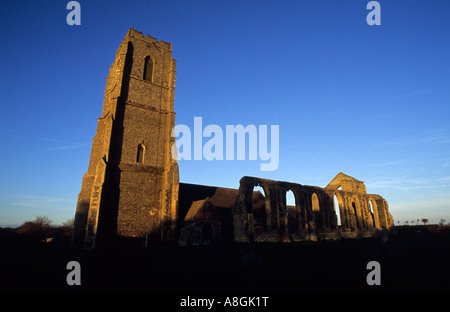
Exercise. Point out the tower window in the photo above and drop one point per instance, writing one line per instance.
(140, 154)
(148, 69)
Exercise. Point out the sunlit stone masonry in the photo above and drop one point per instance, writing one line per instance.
(131, 188)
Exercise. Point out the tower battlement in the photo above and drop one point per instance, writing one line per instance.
(149, 39)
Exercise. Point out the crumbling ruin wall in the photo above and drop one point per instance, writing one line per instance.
(314, 215)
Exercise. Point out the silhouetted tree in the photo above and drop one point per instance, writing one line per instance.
(68, 223)
(442, 222)
(67, 228)
(425, 221)
(39, 226)
(43, 221)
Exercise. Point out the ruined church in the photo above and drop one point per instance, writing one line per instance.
(131, 188)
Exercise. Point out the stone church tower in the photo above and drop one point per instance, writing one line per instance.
(131, 186)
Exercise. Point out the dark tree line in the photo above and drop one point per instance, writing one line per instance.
(41, 227)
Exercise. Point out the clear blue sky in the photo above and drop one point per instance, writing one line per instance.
(370, 101)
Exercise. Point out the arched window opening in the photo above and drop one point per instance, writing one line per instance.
(371, 212)
(355, 212)
(140, 154)
(316, 210)
(291, 211)
(337, 210)
(315, 203)
(148, 69)
(259, 208)
(290, 199)
(354, 208)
